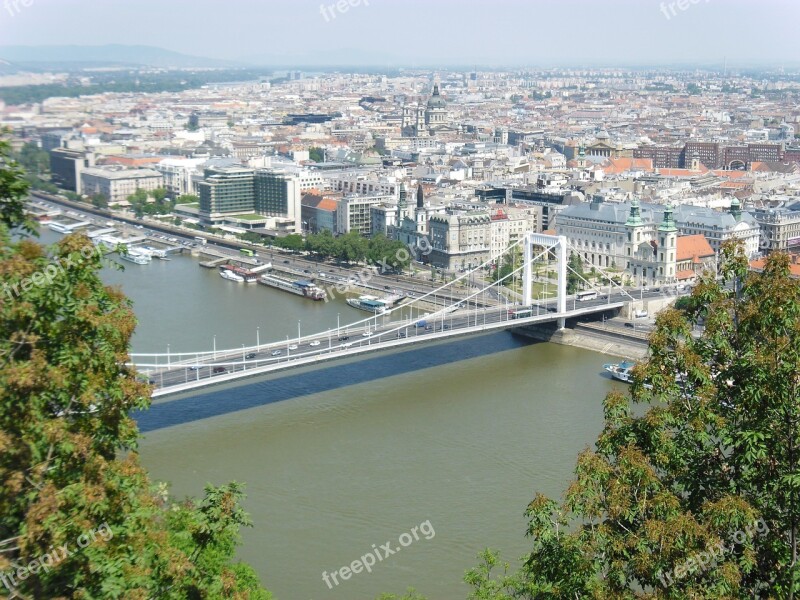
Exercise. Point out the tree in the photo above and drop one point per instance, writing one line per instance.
(99, 201)
(69, 472)
(574, 273)
(696, 494)
(13, 192)
(293, 242)
(316, 154)
(187, 199)
(351, 247)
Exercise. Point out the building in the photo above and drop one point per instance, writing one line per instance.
(509, 225)
(459, 241)
(780, 228)
(318, 213)
(626, 236)
(226, 191)
(355, 213)
(116, 184)
(712, 155)
(278, 194)
(178, 175)
(67, 165)
(695, 255)
(384, 218)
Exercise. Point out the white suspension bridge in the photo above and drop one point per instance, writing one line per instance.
(177, 372)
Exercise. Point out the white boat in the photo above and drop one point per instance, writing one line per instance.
(621, 371)
(136, 257)
(368, 303)
(231, 276)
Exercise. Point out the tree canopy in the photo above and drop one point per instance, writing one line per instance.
(70, 476)
(693, 487)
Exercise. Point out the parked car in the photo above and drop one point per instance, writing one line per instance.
(631, 325)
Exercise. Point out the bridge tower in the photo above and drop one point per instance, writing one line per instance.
(558, 244)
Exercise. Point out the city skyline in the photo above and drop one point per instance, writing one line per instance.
(357, 32)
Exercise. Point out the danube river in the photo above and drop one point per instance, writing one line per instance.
(340, 461)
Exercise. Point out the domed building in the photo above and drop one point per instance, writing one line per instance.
(420, 120)
(436, 113)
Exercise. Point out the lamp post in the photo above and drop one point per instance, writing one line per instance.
(168, 365)
(258, 341)
(337, 325)
(298, 331)
(215, 347)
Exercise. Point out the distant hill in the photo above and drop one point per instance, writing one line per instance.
(105, 56)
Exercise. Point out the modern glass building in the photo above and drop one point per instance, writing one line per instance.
(226, 191)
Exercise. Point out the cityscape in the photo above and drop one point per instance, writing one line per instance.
(529, 309)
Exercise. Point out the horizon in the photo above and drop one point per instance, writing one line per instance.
(414, 34)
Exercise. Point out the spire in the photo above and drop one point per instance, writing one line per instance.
(401, 202)
(736, 209)
(635, 217)
(420, 196)
(668, 224)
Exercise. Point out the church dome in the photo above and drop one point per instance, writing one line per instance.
(436, 100)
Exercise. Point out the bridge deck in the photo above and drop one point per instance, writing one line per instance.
(181, 377)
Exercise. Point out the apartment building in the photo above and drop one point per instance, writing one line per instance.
(116, 184)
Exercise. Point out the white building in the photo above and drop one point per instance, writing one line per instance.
(177, 173)
(117, 184)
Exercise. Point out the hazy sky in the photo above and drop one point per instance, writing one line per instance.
(536, 32)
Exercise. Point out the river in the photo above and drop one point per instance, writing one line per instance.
(359, 453)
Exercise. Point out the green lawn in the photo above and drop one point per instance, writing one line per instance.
(249, 217)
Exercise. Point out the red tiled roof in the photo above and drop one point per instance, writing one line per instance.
(693, 247)
(687, 274)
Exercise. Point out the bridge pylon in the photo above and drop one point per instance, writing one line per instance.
(559, 246)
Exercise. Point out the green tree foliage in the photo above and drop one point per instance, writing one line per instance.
(187, 199)
(316, 154)
(141, 205)
(714, 448)
(511, 262)
(68, 461)
(575, 273)
(13, 192)
(292, 242)
(99, 201)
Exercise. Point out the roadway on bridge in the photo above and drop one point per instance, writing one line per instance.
(208, 368)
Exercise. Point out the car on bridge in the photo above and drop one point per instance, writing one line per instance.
(276, 353)
(250, 355)
(314, 343)
(220, 370)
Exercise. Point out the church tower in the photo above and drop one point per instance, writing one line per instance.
(667, 246)
(420, 214)
(402, 206)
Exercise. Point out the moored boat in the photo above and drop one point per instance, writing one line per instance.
(368, 303)
(621, 371)
(231, 276)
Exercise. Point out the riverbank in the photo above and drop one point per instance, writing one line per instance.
(590, 336)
